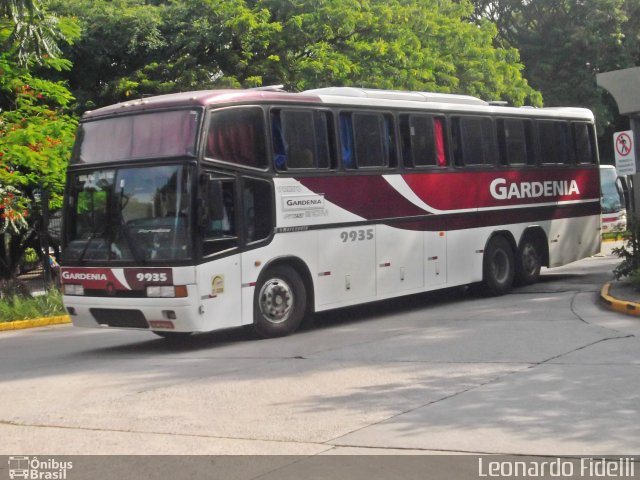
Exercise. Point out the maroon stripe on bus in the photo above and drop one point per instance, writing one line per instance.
(368, 196)
(496, 217)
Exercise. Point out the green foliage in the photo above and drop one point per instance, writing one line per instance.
(130, 48)
(19, 307)
(30, 255)
(629, 252)
(30, 34)
(564, 44)
(36, 133)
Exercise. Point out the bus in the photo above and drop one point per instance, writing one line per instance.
(206, 210)
(614, 213)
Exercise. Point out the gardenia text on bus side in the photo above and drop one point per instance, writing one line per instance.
(502, 190)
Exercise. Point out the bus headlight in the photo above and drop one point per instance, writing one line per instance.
(73, 289)
(171, 291)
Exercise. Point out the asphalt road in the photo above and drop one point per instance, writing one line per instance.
(545, 370)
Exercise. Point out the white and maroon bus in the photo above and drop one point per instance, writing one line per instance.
(205, 210)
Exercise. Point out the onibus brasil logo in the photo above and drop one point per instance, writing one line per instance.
(38, 469)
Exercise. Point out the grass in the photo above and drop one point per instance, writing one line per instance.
(19, 307)
(613, 236)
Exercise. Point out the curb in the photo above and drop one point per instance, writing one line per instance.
(622, 306)
(36, 322)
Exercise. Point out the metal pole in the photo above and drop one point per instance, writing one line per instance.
(635, 199)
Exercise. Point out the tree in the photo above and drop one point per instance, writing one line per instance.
(564, 44)
(130, 49)
(29, 32)
(35, 140)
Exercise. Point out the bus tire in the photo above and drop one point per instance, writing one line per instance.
(529, 262)
(280, 302)
(498, 267)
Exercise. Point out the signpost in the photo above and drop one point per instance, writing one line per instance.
(624, 147)
(624, 85)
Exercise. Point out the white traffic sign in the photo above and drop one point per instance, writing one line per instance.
(625, 152)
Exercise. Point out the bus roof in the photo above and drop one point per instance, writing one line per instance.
(199, 98)
(443, 102)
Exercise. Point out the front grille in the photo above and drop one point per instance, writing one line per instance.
(118, 317)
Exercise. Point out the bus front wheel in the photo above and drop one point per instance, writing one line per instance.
(498, 266)
(279, 303)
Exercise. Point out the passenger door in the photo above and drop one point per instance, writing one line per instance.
(219, 276)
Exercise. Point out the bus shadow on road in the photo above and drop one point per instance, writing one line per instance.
(326, 320)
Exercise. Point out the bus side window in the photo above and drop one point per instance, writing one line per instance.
(584, 143)
(237, 135)
(346, 140)
(515, 140)
(257, 209)
(474, 141)
(300, 139)
(423, 140)
(371, 139)
(554, 144)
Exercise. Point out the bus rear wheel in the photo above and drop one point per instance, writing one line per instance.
(529, 262)
(498, 267)
(280, 302)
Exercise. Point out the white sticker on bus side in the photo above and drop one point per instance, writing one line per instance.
(302, 202)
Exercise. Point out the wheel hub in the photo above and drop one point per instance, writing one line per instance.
(276, 300)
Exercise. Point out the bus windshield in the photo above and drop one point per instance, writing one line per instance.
(129, 214)
(147, 135)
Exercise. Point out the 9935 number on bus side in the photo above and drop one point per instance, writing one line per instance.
(356, 235)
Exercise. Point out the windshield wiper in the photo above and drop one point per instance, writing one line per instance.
(86, 247)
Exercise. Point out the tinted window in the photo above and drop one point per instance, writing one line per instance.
(237, 136)
(301, 139)
(515, 141)
(553, 141)
(367, 140)
(584, 141)
(149, 135)
(474, 139)
(423, 140)
(258, 211)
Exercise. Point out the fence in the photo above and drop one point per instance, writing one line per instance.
(39, 276)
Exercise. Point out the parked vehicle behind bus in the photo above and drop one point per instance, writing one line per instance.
(198, 211)
(614, 213)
